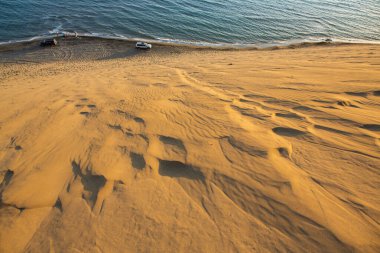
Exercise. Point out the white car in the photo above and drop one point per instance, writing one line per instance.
(143, 45)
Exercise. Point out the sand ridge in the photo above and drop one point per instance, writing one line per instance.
(209, 151)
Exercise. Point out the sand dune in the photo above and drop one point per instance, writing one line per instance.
(204, 151)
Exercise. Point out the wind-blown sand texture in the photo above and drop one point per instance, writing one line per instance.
(203, 151)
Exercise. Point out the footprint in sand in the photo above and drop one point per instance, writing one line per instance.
(372, 127)
(169, 148)
(284, 152)
(6, 178)
(357, 94)
(304, 109)
(83, 104)
(289, 116)
(116, 127)
(161, 85)
(85, 113)
(91, 183)
(346, 104)
(13, 144)
(128, 123)
(58, 205)
(287, 131)
(230, 142)
(332, 130)
(89, 106)
(167, 140)
(182, 86)
(138, 161)
(171, 155)
(179, 170)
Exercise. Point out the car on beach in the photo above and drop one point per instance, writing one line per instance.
(48, 42)
(143, 45)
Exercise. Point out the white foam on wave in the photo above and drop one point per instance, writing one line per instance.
(56, 29)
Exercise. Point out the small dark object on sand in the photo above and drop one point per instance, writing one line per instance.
(48, 42)
(328, 40)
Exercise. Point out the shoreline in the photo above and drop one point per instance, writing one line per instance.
(191, 43)
(98, 48)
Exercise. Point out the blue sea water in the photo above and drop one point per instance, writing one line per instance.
(194, 21)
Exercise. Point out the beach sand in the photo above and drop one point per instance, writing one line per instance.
(194, 151)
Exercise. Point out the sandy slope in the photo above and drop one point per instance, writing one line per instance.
(229, 151)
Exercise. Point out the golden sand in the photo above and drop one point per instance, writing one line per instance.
(205, 151)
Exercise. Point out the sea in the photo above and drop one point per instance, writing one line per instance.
(194, 22)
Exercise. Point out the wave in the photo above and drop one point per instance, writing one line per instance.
(57, 33)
